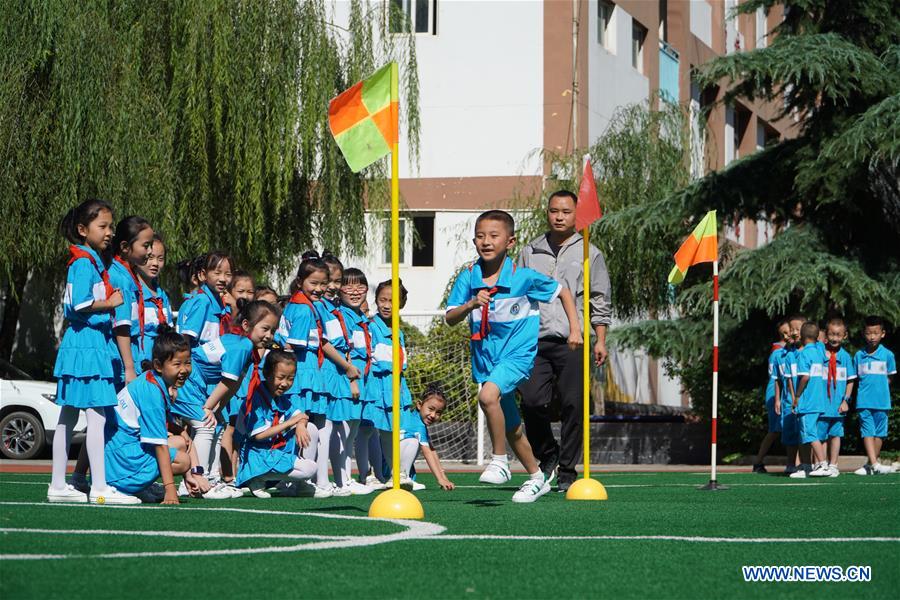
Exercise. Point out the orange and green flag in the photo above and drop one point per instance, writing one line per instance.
(701, 246)
(363, 119)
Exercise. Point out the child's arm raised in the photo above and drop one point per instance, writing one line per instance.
(115, 300)
(165, 472)
(434, 463)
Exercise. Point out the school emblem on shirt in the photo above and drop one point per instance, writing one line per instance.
(515, 309)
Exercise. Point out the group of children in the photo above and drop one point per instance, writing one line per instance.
(250, 390)
(812, 384)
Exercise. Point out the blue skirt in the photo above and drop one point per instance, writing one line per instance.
(83, 392)
(318, 404)
(131, 467)
(344, 409)
(256, 462)
(86, 352)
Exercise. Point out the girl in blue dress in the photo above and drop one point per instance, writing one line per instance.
(83, 367)
(132, 244)
(157, 307)
(278, 440)
(303, 330)
(218, 368)
(205, 315)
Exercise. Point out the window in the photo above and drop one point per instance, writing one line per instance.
(423, 241)
(386, 241)
(418, 16)
(604, 24)
(638, 36)
(761, 28)
(664, 20)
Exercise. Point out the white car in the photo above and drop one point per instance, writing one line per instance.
(28, 414)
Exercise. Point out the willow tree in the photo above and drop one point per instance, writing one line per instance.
(208, 118)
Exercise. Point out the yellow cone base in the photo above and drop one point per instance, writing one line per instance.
(586, 489)
(397, 504)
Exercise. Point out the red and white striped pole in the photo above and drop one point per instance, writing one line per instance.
(713, 484)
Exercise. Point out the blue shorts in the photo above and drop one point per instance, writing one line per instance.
(790, 428)
(510, 411)
(809, 427)
(830, 427)
(506, 377)
(873, 422)
(774, 419)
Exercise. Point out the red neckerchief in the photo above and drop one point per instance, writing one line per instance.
(255, 381)
(75, 253)
(152, 379)
(225, 320)
(278, 440)
(140, 298)
(368, 337)
(485, 327)
(300, 298)
(340, 317)
(832, 373)
(160, 310)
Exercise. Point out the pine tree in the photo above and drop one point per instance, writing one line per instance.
(208, 118)
(832, 191)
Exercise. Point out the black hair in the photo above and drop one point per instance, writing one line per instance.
(168, 343)
(127, 231)
(498, 215)
(838, 321)
(214, 259)
(239, 274)
(353, 276)
(263, 289)
(157, 237)
(255, 311)
(781, 323)
(875, 321)
(331, 260)
(796, 318)
(434, 389)
(310, 264)
(276, 357)
(563, 194)
(404, 294)
(83, 214)
(809, 331)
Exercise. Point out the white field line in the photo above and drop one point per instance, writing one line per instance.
(672, 538)
(663, 485)
(414, 530)
(176, 534)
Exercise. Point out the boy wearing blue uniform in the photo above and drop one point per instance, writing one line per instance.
(774, 394)
(839, 380)
(875, 367)
(501, 303)
(810, 401)
(787, 369)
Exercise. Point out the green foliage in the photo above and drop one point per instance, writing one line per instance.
(209, 118)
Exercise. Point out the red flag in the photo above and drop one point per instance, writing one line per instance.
(588, 208)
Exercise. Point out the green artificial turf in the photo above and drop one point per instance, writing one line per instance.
(428, 567)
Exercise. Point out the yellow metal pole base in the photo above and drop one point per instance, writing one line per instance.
(586, 489)
(396, 504)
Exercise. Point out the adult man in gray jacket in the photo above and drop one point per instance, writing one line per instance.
(559, 253)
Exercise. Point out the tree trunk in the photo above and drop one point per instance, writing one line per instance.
(12, 304)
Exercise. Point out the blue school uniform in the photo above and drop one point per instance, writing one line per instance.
(504, 334)
(873, 399)
(831, 422)
(811, 363)
(298, 330)
(131, 438)
(774, 418)
(203, 316)
(361, 357)
(334, 381)
(380, 384)
(272, 455)
(341, 404)
(787, 370)
(129, 314)
(227, 357)
(413, 427)
(83, 366)
(157, 311)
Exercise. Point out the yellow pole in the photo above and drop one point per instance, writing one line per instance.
(395, 503)
(586, 349)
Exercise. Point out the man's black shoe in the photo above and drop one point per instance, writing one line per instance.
(549, 467)
(564, 480)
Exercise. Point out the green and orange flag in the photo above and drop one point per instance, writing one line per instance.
(363, 119)
(701, 246)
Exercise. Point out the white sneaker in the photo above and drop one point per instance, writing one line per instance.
(112, 496)
(531, 490)
(882, 469)
(257, 488)
(323, 492)
(358, 489)
(67, 494)
(866, 469)
(798, 474)
(496, 472)
(229, 487)
(417, 487)
(406, 483)
(342, 491)
(218, 492)
(833, 471)
(374, 483)
(821, 470)
(183, 490)
(80, 483)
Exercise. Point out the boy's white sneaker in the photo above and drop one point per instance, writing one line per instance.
(798, 474)
(112, 496)
(821, 470)
(417, 487)
(833, 471)
(531, 490)
(358, 489)
(342, 491)
(496, 472)
(866, 469)
(374, 483)
(882, 469)
(323, 492)
(67, 494)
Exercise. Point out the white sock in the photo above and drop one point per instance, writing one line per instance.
(537, 475)
(95, 442)
(409, 450)
(68, 417)
(325, 431)
(204, 442)
(500, 458)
